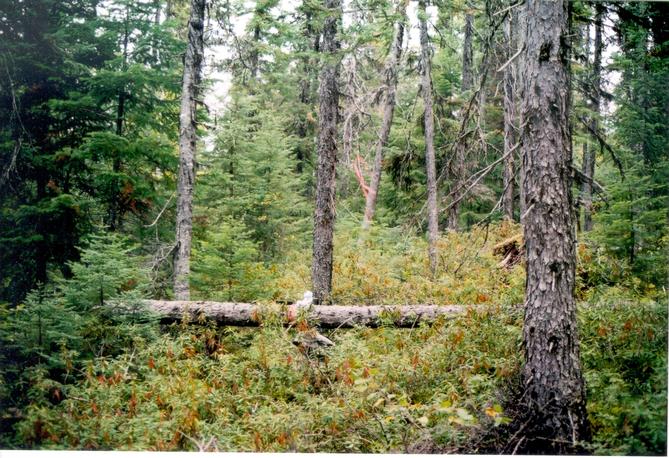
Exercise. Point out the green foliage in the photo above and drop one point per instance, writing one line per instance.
(623, 348)
(225, 265)
(253, 391)
(250, 177)
(46, 340)
(89, 116)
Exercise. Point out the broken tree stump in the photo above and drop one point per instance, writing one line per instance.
(511, 250)
(326, 316)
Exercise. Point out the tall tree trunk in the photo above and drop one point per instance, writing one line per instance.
(554, 386)
(304, 147)
(520, 82)
(255, 52)
(589, 153)
(468, 54)
(115, 210)
(190, 90)
(509, 118)
(390, 83)
(324, 213)
(458, 163)
(430, 162)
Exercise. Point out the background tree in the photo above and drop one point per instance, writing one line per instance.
(426, 90)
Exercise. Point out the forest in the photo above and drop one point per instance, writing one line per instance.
(365, 226)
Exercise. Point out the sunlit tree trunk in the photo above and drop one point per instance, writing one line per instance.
(554, 386)
(430, 163)
(190, 90)
(324, 213)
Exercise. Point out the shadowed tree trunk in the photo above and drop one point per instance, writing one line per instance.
(509, 117)
(324, 213)
(115, 211)
(522, 33)
(187, 146)
(589, 152)
(468, 54)
(304, 147)
(430, 164)
(554, 387)
(390, 83)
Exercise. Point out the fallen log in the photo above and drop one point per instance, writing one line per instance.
(326, 316)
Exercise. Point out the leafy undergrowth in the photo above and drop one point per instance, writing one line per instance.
(433, 388)
(387, 266)
(252, 390)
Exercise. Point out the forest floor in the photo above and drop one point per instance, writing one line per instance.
(433, 388)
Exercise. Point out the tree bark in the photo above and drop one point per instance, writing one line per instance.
(554, 386)
(324, 213)
(589, 153)
(458, 163)
(430, 162)
(115, 210)
(468, 54)
(187, 147)
(522, 34)
(345, 316)
(509, 118)
(390, 83)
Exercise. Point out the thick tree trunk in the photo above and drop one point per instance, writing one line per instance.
(589, 153)
(187, 146)
(239, 314)
(509, 118)
(430, 162)
(390, 83)
(324, 213)
(554, 386)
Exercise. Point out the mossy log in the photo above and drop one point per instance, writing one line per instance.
(326, 316)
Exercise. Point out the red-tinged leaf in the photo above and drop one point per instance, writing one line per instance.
(282, 439)
(257, 440)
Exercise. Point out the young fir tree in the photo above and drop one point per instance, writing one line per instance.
(226, 264)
